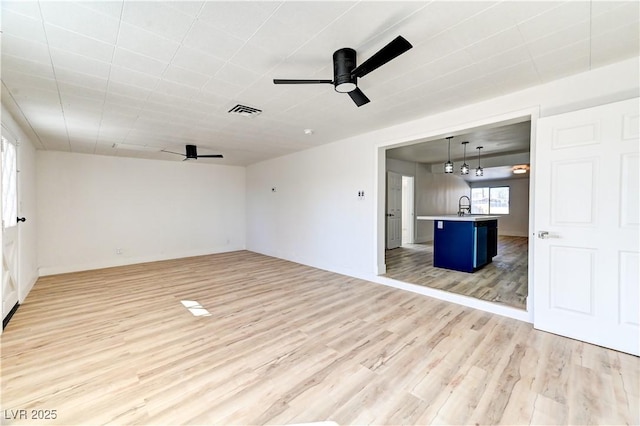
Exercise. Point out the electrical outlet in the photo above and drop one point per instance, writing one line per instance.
(118, 251)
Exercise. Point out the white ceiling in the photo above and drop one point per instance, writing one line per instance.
(108, 77)
(494, 140)
(499, 142)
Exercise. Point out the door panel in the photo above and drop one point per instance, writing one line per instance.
(628, 284)
(572, 188)
(586, 216)
(630, 199)
(394, 210)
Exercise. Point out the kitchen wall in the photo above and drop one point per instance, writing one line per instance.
(435, 193)
(27, 231)
(316, 217)
(90, 206)
(516, 223)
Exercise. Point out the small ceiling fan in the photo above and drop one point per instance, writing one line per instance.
(192, 153)
(346, 73)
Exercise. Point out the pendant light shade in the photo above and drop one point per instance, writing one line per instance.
(464, 170)
(479, 171)
(448, 166)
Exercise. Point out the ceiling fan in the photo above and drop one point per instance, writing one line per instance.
(192, 153)
(346, 73)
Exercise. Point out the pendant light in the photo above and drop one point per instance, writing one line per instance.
(464, 170)
(479, 171)
(448, 166)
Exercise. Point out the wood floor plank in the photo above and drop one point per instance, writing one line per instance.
(287, 343)
(504, 281)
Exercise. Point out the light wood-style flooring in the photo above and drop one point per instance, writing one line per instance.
(503, 281)
(286, 343)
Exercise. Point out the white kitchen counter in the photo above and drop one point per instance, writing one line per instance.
(466, 218)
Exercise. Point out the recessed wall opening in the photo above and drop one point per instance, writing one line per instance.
(497, 191)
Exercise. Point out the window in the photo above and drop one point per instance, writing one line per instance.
(9, 185)
(490, 200)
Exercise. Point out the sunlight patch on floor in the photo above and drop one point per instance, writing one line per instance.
(195, 308)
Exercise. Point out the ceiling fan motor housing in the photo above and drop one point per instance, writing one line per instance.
(344, 62)
(192, 151)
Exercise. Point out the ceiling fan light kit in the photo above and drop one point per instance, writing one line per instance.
(344, 61)
(346, 73)
(519, 170)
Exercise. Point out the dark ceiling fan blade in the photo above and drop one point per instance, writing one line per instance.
(285, 81)
(210, 156)
(358, 97)
(395, 48)
(171, 152)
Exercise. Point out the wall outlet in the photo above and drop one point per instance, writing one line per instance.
(118, 251)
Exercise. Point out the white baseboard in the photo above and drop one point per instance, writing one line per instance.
(110, 263)
(423, 241)
(471, 302)
(24, 291)
(513, 234)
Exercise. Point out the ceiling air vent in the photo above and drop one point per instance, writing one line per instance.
(245, 111)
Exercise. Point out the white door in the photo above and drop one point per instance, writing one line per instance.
(394, 210)
(408, 218)
(9, 227)
(587, 219)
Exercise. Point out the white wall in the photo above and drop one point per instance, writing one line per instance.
(516, 223)
(316, 218)
(27, 231)
(89, 206)
(404, 168)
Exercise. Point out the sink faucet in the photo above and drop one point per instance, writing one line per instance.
(463, 207)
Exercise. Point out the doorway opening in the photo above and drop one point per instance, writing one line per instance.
(505, 281)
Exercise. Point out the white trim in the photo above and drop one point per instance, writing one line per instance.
(16, 140)
(535, 115)
(471, 302)
(55, 270)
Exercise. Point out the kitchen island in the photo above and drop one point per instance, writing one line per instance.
(463, 243)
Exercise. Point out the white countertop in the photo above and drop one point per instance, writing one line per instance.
(455, 217)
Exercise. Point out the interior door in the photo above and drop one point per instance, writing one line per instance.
(9, 227)
(394, 210)
(407, 210)
(587, 219)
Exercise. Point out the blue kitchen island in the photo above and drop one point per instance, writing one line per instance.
(463, 243)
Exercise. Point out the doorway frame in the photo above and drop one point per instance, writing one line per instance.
(532, 114)
(7, 134)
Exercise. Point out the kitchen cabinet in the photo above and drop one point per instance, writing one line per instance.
(464, 243)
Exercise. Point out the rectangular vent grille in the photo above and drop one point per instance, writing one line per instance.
(245, 111)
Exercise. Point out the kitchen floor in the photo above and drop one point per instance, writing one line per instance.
(505, 280)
